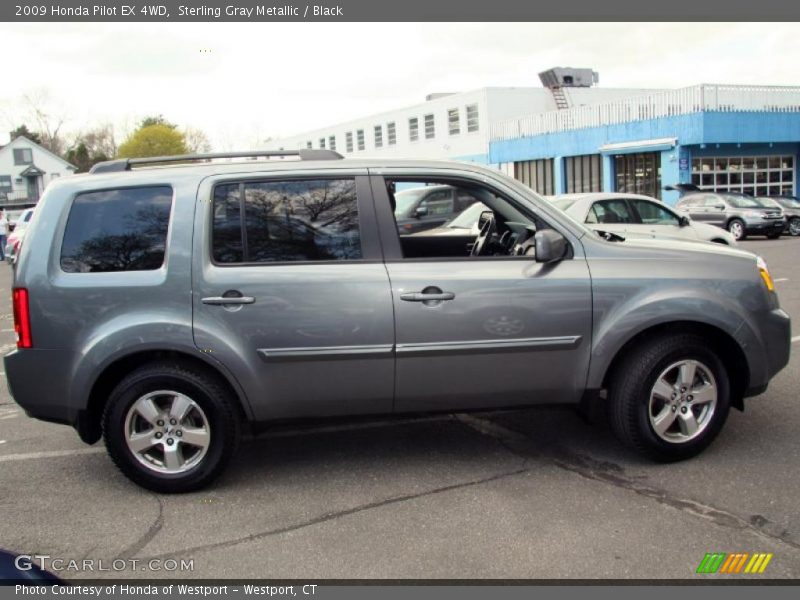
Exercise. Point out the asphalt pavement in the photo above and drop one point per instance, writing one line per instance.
(533, 493)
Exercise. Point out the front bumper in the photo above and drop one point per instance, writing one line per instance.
(766, 226)
(775, 329)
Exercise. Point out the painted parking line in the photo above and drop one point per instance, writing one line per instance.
(781, 279)
(50, 454)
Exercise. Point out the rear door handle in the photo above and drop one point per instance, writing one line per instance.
(220, 300)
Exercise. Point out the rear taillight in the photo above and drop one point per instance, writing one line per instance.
(22, 318)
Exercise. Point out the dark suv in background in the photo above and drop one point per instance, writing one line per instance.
(740, 214)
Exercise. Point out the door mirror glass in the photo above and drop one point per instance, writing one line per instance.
(551, 246)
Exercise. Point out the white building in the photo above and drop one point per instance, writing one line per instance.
(25, 170)
(446, 126)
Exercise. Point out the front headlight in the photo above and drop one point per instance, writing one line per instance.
(764, 272)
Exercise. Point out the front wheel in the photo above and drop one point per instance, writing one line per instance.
(170, 429)
(794, 226)
(736, 229)
(669, 398)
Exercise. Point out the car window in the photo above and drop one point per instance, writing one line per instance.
(438, 203)
(653, 214)
(464, 200)
(117, 230)
(612, 211)
(284, 221)
(742, 201)
(712, 201)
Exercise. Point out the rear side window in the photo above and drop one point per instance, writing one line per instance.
(117, 230)
(286, 221)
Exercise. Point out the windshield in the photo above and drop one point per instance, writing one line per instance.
(768, 202)
(788, 201)
(742, 201)
(564, 203)
(469, 217)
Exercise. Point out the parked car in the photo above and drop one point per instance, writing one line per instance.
(740, 214)
(172, 309)
(14, 240)
(791, 209)
(632, 215)
(425, 207)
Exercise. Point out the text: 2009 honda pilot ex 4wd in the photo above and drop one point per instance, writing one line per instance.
(166, 308)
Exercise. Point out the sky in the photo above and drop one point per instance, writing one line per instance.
(242, 83)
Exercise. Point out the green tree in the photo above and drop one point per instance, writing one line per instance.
(156, 120)
(153, 140)
(23, 131)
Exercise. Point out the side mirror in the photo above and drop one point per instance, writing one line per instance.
(551, 246)
(421, 211)
(684, 221)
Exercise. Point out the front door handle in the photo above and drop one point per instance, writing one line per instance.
(430, 296)
(221, 300)
(422, 296)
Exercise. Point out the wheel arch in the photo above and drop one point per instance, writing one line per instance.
(730, 352)
(88, 422)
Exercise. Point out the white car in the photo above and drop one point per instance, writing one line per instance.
(636, 216)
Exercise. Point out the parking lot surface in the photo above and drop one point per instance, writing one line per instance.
(533, 493)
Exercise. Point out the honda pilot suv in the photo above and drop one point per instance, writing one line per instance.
(170, 309)
(740, 214)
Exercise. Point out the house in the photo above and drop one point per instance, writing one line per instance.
(25, 170)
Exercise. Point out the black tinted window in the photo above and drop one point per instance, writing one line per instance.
(287, 221)
(117, 230)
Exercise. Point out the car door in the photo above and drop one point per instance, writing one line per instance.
(658, 221)
(485, 332)
(290, 294)
(694, 207)
(715, 210)
(614, 215)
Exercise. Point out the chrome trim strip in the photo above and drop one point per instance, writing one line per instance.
(325, 351)
(543, 343)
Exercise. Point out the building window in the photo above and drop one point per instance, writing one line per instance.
(391, 133)
(472, 118)
(413, 129)
(282, 221)
(5, 184)
(536, 174)
(378, 136)
(321, 142)
(430, 128)
(117, 230)
(754, 175)
(453, 121)
(23, 156)
(360, 138)
(332, 142)
(309, 144)
(584, 173)
(348, 141)
(638, 173)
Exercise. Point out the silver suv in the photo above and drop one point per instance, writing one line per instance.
(740, 214)
(170, 309)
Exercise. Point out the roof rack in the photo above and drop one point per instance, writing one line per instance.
(125, 164)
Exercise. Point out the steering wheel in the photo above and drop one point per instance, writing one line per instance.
(488, 229)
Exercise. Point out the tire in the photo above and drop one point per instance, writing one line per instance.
(794, 226)
(634, 403)
(167, 461)
(737, 229)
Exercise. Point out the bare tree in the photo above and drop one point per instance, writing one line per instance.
(196, 140)
(48, 119)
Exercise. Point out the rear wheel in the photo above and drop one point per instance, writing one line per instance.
(669, 397)
(170, 429)
(736, 229)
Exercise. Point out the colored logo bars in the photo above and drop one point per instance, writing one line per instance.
(741, 562)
